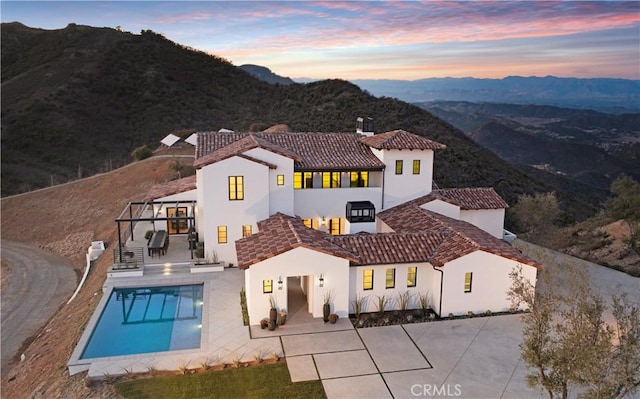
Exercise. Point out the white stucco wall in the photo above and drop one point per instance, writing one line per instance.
(443, 208)
(298, 262)
(353, 228)
(332, 202)
(427, 282)
(407, 186)
(490, 282)
(489, 220)
(213, 198)
(280, 197)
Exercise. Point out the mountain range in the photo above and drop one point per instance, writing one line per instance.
(77, 101)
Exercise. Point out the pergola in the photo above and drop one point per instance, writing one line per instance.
(134, 212)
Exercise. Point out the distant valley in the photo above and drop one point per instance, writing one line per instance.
(603, 95)
(591, 147)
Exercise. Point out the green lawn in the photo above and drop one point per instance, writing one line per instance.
(265, 381)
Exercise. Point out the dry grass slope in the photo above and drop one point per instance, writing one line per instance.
(64, 219)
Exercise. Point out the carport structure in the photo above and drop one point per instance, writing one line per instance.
(177, 216)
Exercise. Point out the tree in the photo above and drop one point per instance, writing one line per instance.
(566, 340)
(625, 204)
(536, 215)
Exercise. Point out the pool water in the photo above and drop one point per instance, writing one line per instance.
(148, 319)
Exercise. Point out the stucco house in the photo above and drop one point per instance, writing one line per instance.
(353, 215)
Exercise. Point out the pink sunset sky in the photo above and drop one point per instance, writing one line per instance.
(380, 40)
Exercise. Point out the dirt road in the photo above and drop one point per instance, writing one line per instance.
(35, 283)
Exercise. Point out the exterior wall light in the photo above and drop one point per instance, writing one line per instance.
(323, 221)
(321, 280)
(280, 282)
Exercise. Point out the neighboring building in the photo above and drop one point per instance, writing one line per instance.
(350, 214)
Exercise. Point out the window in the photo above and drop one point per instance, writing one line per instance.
(236, 188)
(267, 286)
(390, 280)
(177, 226)
(359, 179)
(467, 281)
(331, 179)
(308, 180)
(326, 179)
(336, 179)
(367, 279)
(335, 226)
(412, 274)
(416, 166)
(222, 234)
(246, 230)
(310, 223)
(399, 167)
(281, 180)
(300, 180)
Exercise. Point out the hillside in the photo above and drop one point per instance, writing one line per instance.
(590, 147)
(78, 100)
(84, 211)
(583, 162)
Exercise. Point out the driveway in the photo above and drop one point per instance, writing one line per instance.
(35, 284)
(466, 358)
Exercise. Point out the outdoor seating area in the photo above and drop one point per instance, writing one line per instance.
(158, 243)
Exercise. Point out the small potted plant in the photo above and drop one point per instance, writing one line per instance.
(264, 323)
(282, 317)
(333, 318)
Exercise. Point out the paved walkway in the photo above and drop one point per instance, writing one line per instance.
(471, 358)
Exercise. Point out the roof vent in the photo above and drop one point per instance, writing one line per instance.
(364, 126)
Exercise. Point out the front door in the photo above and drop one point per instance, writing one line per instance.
(177, 226)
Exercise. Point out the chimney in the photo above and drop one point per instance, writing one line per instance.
(364, 126)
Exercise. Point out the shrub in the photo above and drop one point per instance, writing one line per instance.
(403, 300)
(142, 152)
(382, 303)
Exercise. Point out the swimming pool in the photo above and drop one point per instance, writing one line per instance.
(148, 319)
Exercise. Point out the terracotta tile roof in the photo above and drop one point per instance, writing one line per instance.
(218, 147)
(328, 151)
(401, 140)
(281, 233)
(463, 237)
(310, 151)
(469, 198)
(419, 236)
(376, 249)
(172, 187)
